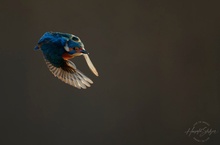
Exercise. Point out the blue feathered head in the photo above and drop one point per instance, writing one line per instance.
(71, 43)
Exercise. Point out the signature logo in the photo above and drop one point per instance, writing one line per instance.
(201, 131)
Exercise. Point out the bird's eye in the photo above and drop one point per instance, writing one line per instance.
(75, 38)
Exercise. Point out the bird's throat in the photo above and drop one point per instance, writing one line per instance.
(67, 56)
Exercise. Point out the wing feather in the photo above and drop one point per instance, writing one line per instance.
(69, 74)
(90, 64)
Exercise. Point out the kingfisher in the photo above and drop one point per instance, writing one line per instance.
(58, 48)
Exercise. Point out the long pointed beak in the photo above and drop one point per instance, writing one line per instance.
(84, 51)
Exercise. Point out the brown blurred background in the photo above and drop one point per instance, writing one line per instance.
(158, 63)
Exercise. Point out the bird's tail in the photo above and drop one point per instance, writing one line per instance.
(69, 74)
(36, 47)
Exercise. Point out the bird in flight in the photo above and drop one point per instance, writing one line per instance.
(58, 48)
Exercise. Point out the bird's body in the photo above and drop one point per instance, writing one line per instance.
(58, 48)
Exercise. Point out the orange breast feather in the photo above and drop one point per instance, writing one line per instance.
(67, 56)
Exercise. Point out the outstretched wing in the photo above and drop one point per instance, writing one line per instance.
(69, 74)
(90, 64)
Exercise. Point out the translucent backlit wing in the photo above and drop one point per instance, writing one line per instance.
(89, 63)
(69, 74)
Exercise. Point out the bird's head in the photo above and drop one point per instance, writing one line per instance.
(71, 43)
(74, 45)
